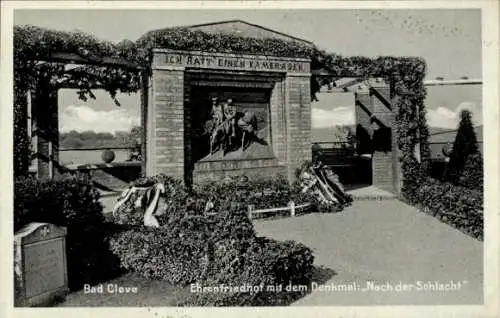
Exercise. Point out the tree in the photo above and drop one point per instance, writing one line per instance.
(466, 165)
(472, 174)
(136, 135)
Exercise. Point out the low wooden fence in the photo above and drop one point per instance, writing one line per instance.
(291, 207)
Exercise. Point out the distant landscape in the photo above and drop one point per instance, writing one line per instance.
(338, 134)
(86, 147)
(91, 139)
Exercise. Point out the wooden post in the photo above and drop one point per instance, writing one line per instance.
(250, 209)
(291, 206)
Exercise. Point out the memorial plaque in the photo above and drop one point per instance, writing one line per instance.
(40, 264)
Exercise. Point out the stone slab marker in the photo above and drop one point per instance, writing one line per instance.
(40, 270)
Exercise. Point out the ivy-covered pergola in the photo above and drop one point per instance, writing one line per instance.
(42, 56)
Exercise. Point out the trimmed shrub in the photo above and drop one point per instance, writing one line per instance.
(261, 193)
(456, 205)
(265, 264)
(216, 248)
(73, 202)
(68, 200)
(465, 166)
(184, 248)
(174, 256)
(472, 175)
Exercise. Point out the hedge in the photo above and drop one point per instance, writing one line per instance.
(72, 202)
(266, 263)
(160, 254)
(456, 205)
(222, 248)
(261, 193)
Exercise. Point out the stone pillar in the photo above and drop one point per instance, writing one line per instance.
(363, 110)
(278, 121)
(298, 121)
(385, 163)
(165, 127)
(145, 97)
(45, 131)
(188, 157)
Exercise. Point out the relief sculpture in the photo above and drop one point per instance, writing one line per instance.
(230, 129)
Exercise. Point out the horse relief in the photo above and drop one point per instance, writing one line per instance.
(230, 126)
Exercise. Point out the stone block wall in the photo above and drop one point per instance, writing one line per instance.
(298, 118)
(363, 109)
(278, 120)
(187, 156)
(166, 124)
(385, 165)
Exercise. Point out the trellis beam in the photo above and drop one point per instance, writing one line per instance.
(73, 58)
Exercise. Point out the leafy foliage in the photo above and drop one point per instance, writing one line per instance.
(176, 257)
(265, 263)
(191, 40)
(472, 175)
(459, 206)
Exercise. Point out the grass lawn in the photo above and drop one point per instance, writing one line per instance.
(149, 293)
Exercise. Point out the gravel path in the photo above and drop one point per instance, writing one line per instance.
(382, 244)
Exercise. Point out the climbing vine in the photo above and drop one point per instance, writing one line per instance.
(32, 45)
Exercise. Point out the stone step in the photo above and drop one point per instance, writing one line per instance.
(369, 193)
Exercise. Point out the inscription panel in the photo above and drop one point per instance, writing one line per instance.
(44, 266)
(230, 62)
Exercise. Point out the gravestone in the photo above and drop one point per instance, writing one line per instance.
(40, 272)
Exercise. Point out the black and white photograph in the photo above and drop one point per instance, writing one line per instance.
(206, 156)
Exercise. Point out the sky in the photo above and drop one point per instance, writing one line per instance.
(448, 39)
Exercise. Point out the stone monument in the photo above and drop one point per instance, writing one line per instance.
(266, 115)
(40, 271)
